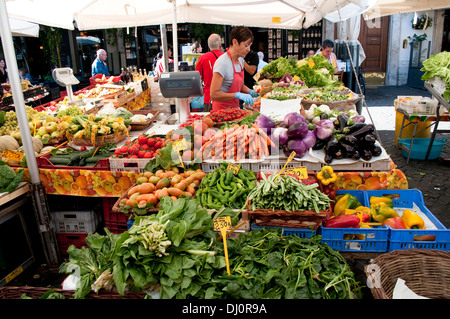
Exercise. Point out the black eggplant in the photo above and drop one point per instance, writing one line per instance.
(348, 149)
(328, 158)
(376, 150)
(342, 119)
(333, 142)
(369, 138)
(365, 154)
(348, 139)
(367, 129)
(339, 153)
(320, 144)
(353, 128)
(356, 156)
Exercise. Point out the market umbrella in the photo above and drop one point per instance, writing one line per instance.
(20, 28)
(389, 7)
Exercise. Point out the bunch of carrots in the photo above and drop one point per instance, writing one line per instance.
(236, 143)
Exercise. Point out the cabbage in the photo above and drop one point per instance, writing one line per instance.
(297, 130)
(266, 123)
(280, 134)
(309, 139)
(298, 146)
(292, 118)
(438, 65)
(324, 129)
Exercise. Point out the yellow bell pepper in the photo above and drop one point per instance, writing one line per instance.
(326, 175)
(345, 202)
(412, 220)
(379, 199)
(381, 211)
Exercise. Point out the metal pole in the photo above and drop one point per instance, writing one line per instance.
(175, 36)
(47, 234)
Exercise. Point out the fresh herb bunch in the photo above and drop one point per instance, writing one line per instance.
(267, 265)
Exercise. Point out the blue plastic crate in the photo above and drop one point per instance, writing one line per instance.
(409, 238)
(300, 232)
(373, 239)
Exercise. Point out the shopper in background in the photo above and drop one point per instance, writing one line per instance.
(160, 66)
(3, 71)
(261, 63)
(99, 65)
(24, 75)
(327, 52)
(227, 85)
(310, 53)
(205, 66)
(196, 47)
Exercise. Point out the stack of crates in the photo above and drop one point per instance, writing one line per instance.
(72, 227)
(116, 223)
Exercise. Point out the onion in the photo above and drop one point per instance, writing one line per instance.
(280, 134)
(292, 118)
(310, 139)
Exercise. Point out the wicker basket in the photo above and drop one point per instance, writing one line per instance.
(144, 125)
(425, 271)
(295, 219)
(99, 140)
(10, 292)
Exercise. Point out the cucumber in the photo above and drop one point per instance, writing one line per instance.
(96, 158)
(60, 161)
(82, 162)
(88, 153)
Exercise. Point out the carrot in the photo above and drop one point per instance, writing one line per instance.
(264, 146)
(263, 134)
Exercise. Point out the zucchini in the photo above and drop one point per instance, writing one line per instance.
(60, 161)
(82, 162)
(88, 153)
(96, 158)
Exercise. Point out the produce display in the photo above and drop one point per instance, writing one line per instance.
(144, 146)
(237, 143)
(326, 95)
(9, 178)
(171, 252)
(86, 158)
(223, 188)
(151, 187)
(226, 115)
(437, 65)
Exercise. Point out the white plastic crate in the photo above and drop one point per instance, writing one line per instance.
(128, 164)
(75, 221)
(417, 105)
(210, 167)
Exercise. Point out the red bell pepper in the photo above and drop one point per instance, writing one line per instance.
(394, 223)
(343, 221)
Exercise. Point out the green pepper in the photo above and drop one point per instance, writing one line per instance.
(222, 182)
(241, 175)
(228, 177)
(346, 202)
(214, 178)
(227, 194)
(219, 196)
(220, 189)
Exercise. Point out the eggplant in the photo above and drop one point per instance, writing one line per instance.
(353, 128)
(342, 119)
(333, 142)
(356, 156)
(328, 158)
(348, 149)
(320, 144)
(376, 150)
(339, 153)
(349, 140)
(367, 129)
(324, 116)
(369, 138)
(365, 154)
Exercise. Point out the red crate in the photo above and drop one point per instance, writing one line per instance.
(116, 227)
(109, 215)
(67, 239)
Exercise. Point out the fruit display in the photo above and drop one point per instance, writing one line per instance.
(191, 119)
(226, 115)
(151, 187)
(144, 146)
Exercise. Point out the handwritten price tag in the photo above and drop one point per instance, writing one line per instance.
(179, 145)
(12, 155)
(222, 224)
(234, 167)
(301, 172)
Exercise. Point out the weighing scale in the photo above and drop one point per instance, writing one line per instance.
(65, 77)
(181, 85)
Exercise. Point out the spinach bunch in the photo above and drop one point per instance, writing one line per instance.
(266, 264)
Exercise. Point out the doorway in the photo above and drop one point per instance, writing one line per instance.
(374, 39)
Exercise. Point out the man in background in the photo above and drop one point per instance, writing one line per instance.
(99, 65)
(261, 63)
(205, 66)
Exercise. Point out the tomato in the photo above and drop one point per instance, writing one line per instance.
(151, 142)
(83, 148)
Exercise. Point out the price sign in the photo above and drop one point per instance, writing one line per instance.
(301, 172)
(311, 63)
(276, 19)
(179, 145)
(222, 224)
(234, 167)
(12, 155)
(290, 158)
